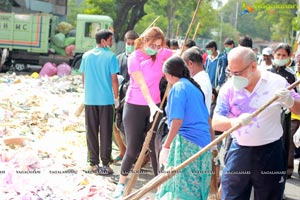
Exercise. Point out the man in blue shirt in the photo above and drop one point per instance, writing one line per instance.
(99, 69)
(215, 65)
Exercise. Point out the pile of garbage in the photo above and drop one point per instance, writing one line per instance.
(43, 152)
(63, 42)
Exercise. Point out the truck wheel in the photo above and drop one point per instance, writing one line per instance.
(20, 67)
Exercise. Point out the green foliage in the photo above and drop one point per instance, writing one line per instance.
(296, 23)
(73, 10)
(278, 19)
(207, 17)
(102, 7)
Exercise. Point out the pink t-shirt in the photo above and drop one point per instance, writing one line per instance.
(152, 72)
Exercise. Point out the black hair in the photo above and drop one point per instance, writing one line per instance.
(215, 92)
(190, 43)
(131, 35)
(211, 44)
(173, 42)
(245, 41)
(284, 46)
(229, 41)
(103, 34)
(176, 66)
(193, 54)
(168, 42)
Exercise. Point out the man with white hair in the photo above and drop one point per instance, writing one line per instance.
(256, 156)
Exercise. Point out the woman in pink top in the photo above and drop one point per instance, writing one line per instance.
(142, 98)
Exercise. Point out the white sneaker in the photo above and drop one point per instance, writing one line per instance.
(119, 191)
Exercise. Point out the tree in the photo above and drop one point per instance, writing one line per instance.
(73, 10)
(125, 13)
(279, 18)
(246, 22)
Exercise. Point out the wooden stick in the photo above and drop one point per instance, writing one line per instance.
(139, 162)
(152, 24)
(161, 178)
(196, 31)
(79, 110)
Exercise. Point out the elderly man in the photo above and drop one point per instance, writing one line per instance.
(256, 155)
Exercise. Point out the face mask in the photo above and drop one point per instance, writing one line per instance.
(150, 51)
(239, 82)
(106, 46)
(280, 62)
(209, 52)
(227, 49)
(129, 49)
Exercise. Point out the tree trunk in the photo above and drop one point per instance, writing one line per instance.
(170, 9)
(129, 12)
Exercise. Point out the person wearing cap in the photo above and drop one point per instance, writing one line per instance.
(267, 59)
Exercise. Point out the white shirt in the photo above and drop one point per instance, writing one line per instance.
(266, 127)
(264, 66)
(203, 80)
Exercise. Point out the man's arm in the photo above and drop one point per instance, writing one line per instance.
(296, 107)
(221, 123)
(82, 78)
(115, 85)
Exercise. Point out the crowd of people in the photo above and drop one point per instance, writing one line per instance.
(210, 92)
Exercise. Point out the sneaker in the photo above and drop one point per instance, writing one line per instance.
(105, 170)
(119, 190)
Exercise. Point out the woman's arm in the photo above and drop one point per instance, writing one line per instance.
(138, 77)
(174, 128)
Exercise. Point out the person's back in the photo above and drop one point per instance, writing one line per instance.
(99, 69)
(98, 78)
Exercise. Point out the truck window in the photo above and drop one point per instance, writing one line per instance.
(91, 29)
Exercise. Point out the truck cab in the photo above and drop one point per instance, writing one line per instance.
(86, 28)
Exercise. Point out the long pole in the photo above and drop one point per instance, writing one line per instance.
(152, 24)
(157, 181)
(196, 31)
(145, 147)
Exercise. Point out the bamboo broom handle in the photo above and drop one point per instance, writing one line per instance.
(196, 31)
(157, 181)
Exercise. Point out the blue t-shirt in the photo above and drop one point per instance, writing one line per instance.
(186, 102)
(98, 65)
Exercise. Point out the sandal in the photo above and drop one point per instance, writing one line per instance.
(117, 159)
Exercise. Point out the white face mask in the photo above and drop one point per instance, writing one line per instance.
(280, 62)
(239, 82)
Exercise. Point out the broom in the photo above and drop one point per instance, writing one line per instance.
(145, 147)
(161, 178)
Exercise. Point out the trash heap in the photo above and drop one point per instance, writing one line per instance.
(42, 143)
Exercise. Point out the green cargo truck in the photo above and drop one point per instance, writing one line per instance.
(26, 39)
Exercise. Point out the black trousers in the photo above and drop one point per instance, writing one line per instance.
(136, 125)
(99, 118)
